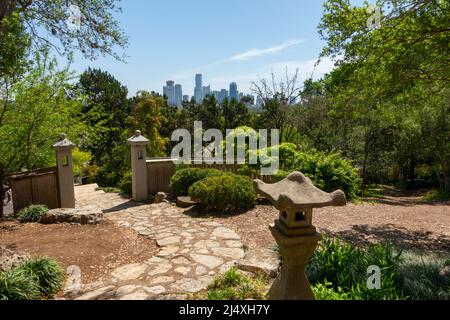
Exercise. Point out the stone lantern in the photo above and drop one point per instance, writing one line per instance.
(296, 197)
(64, 163)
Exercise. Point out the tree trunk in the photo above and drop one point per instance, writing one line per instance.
(2, 190)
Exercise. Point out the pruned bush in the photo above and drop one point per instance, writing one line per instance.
(185, 178)
(126, 184)
(227, 192)
(31, 213)
(31, 280)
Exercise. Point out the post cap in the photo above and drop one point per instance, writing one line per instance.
(64, 143)
(138, 139)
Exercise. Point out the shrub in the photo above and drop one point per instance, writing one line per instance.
(227, 192)
(48, 274)
(327, 292)
(185, 178)
(32, 213)
(437, 195)
(126, 184)
(235, 286)
(33, 279)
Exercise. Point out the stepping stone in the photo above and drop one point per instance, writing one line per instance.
(130, 271)
(186, 202)
(260, 261)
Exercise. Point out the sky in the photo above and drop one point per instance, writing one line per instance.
(225, 40)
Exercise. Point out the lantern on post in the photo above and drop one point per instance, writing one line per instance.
(138, 145)
(296, 197)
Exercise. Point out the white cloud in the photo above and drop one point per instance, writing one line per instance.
(255, 53)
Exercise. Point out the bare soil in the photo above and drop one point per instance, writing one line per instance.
(97, 249)
(403, 219)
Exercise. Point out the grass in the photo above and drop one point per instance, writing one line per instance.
(109, 190)
(33, 279)
(233, 285)
(437, 195)
(32, 213)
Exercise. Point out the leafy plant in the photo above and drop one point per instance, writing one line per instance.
(235, 286)
(126, 184)
(31, 280)
(437, 195)
(227, 192)
(185, 178)
(31, 213)
(47, 272)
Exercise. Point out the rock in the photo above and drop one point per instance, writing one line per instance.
(140, 294)
(445, 272)
(232, 253)
(191, 285)
(225, 233)
(186, 202)
(102, 293)
(208, 261)
(260, 261)
(161, 197)
(130, 271)
(168, 241)
(155, 290)
(81, 216)
(161, 268)
(183, 270)
(9, 258)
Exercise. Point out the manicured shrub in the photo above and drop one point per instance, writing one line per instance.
(31, 280)
(126, 184)
(185, 178)
(47, 272)
(32, 213)
(227, 192)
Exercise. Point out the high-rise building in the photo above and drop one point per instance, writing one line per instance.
(222, 95)
(198, 91)
(234, 94)
(241, 96)
(186, 98)
(259, 101)
(206, 91)
(178, 95)
(169, 92)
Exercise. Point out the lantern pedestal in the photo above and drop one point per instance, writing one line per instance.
(292, 283)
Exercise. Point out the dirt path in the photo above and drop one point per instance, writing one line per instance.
(405, 220)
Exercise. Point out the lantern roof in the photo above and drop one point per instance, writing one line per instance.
(64, 143)
(298, 192)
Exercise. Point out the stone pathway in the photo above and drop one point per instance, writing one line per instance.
(193, 250)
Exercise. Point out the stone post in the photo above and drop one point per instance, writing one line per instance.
(138, 145)
(64, 162)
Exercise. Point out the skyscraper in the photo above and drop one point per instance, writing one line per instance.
(223, 95)
(178, 95)
(198, 91)
(169, 92)
(186, 98)
(234, 94)
(206, 91)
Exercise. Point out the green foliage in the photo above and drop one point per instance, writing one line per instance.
(109, 189)
(326, 291)
(185, 178)
(226, 192)
(48, 274)
(16, 284)
(31, 280)
(32, 213)
(345, 267)
(81, 161)
(437, 195)
(420, 279)
(126, 183)
(235, 286)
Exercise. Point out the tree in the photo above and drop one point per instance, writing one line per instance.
(36, 110)
(84, 25)
(235, 114)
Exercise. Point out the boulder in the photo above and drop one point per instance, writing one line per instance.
(74, 216)
(161, 197)
(9, 258)
(186, 202)
(260, 261)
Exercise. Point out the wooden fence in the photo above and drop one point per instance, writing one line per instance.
(35, 187)
(161, 170)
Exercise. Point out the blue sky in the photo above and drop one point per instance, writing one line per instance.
(232, 40)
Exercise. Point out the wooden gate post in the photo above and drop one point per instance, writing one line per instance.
(66, 188)
(139, 166)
